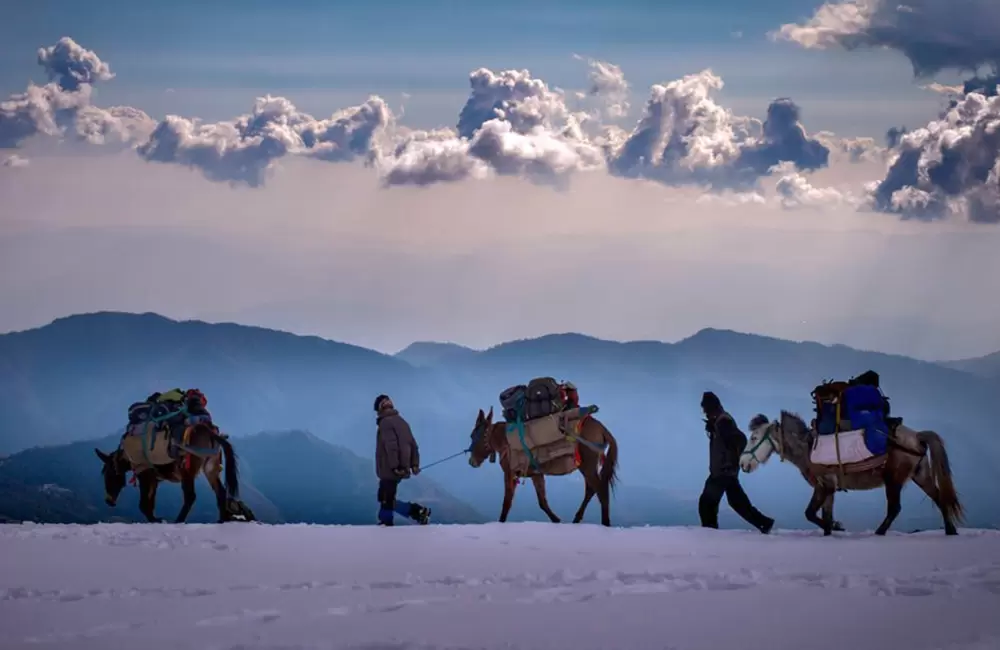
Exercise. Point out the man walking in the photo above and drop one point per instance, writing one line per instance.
(397, 457)
(726, 443)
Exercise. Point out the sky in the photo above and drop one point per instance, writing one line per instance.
(476, 172)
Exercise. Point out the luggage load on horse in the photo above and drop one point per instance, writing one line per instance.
(852, 424)
(543, 420)
(158, 427)
(171, 437)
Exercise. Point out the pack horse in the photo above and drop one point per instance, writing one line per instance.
(545, 432)
(853, 444)
(171, 437)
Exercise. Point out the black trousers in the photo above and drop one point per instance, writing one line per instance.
(711, 497)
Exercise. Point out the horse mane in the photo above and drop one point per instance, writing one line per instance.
(803, 428)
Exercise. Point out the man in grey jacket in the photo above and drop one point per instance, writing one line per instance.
(397, 457)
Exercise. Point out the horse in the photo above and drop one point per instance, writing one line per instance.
(490, 439)
(201, 453)
(907, 459)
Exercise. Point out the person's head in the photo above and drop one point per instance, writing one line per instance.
(383, 403)
(710, 404)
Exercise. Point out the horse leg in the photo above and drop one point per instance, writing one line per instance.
(187, 487)
(588, 494)
(828, 508)
(593, 479)
(543, 503)
(147, 495)
(818, 499)
(925, 480)
(212, 472)
(508, 496)
(893, 496)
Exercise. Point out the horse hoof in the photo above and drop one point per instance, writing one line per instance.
(880, 533)
(839, 527)
(827, 532)
(950, 531)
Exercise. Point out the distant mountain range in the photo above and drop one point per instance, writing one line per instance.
(73, 380)
(988, 366)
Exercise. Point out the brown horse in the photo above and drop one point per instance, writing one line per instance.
(490, 438)
(907, 459)
(202, 452)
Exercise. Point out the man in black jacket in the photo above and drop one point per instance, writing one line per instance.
(726, 444)
(397, 457)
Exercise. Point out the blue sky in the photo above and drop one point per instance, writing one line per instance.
(328, 246)
(214, 56)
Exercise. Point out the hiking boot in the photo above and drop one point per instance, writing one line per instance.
(766, 527)
(421, 515)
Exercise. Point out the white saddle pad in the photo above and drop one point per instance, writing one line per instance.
(852, 448)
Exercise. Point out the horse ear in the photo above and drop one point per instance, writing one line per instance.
(489, 417)
(100, 454)
(481, 416)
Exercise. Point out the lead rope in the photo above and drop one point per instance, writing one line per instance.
(438, 462)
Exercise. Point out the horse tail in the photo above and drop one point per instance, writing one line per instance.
(232, 469)
(609, 471)
(941, 473)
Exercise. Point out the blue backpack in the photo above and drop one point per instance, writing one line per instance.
(866, 408)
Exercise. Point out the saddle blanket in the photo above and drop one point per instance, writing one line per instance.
(146, 451)
(546, 439)
(544, 430)
(852, 449)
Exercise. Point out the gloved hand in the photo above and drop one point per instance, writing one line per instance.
(415, 470)
(401, 472)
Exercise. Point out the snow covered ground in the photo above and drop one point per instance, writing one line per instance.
(493, 586)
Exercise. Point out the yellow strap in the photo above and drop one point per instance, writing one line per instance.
(836, 442)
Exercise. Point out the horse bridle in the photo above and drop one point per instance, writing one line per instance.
(481, 434)
(774, 443)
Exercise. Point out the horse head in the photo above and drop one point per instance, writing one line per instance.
(762, 443)
(114, 470)
(482, 445)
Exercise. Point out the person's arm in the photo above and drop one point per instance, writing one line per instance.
(415, 455)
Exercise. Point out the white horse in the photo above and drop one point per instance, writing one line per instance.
(907, 459)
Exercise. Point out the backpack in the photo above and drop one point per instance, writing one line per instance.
(837, 402)
(512, 401)
(138, 412)
(571, 397)
(827, 398)
(544, 397)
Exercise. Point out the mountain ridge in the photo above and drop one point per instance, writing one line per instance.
(75, 381)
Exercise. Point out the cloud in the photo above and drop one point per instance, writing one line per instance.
(685, 137)
(933, 34)
(853, 150)
(15, 161)
(607, 83)
(795, 191)
(71, 65)
(242, 150)
(63, 106)
(512, 124)
(949, 167)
